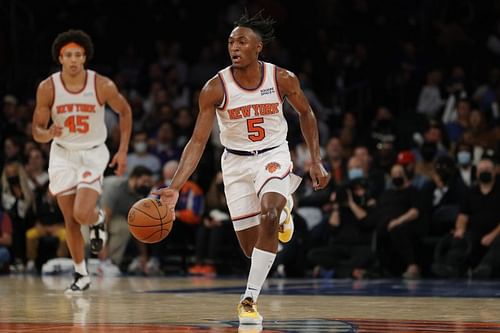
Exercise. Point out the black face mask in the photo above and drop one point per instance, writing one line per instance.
(13, 180)
(398, 182)
(143, 190)
(485, 177)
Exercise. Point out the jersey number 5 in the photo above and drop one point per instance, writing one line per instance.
(255, 132)
(77, 124)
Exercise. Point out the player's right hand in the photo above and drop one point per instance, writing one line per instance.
(55, 130)
(168, 197)
(319, 176)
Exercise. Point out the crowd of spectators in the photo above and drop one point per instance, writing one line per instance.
(407, 99)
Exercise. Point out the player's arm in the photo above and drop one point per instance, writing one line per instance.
(210, 96)
(290, 89)
(41, 116)
(108, 93)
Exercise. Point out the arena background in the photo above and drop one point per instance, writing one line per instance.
(352, 57)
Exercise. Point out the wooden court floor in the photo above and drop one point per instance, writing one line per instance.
(139, 304)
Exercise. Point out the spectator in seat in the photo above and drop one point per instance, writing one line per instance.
(349, 245)
(118, 196)
(475, 242)
(398, 226)
(214, 232)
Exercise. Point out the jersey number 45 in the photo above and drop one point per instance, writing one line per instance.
(77, 124)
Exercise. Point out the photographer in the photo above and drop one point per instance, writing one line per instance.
(349, 245)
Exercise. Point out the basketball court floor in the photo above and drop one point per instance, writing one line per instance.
(140, 304)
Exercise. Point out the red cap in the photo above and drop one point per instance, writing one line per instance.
(406, 157)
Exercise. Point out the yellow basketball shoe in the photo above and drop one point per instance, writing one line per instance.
(286, 227)
(247, 312)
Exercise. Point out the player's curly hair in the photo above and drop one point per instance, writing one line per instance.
(77, 36)
(262, 26)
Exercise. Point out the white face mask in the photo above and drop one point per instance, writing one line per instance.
(463, 157)
(140, 147)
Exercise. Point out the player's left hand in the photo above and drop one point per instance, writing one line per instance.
(120, 161)
(319, 176)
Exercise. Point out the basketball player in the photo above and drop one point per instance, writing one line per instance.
(247, 98)
(74, 99)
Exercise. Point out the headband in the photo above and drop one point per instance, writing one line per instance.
(71, 45)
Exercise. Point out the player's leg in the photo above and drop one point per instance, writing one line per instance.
(266, 246)
(263, 254)
(248, 238)
(86, 213)
(272, 185)
(76, 244)
(91, 168)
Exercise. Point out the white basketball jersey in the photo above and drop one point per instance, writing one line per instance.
(251, 119)
(80, 113)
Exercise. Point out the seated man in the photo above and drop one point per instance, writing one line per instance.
(119, 194)
(349, 246)
(398, 225)
(47, 238)
(475, 241)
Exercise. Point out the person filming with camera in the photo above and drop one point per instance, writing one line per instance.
(349, 244)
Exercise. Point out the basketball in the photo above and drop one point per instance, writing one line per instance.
(149, 220)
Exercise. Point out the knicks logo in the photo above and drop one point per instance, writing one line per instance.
(86, 174)
(272, 167)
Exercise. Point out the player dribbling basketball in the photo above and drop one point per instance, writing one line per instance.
(247, 99)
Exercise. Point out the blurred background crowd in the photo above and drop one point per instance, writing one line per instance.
(407, 99)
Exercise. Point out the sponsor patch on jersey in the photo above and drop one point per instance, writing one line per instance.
(88, 94)
(267, 91)
(86, 174)
(272, 167)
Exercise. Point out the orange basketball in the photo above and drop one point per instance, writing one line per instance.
(149, 220)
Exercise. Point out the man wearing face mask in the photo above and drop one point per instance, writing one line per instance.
(349, 245)
(118, 196)
(398, 227)
(475, 239)
(141, 156)
(467, 170)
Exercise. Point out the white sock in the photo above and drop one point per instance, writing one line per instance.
(283, 216)
(81, 268)
(261, 264)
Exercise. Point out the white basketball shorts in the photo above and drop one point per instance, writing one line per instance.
(70, 170)
(247, 178)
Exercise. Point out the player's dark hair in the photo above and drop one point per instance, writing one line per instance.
(76, 36)
(262, 26)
